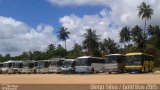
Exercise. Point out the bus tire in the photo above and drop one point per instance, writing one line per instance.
(110, 72)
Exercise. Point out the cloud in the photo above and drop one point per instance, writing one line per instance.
(16, 36)
(107, 22)
(77, 2)
(100, 22)
(124, 12)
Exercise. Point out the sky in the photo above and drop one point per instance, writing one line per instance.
(33, 24)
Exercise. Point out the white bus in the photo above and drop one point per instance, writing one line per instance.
(68, 66)
(55, 65)
(43, 66)
(12, 67)
(88, 64)
(29, 66)
(114, 63)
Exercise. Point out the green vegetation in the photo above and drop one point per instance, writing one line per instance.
(136, 39)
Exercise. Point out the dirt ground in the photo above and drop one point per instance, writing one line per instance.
(102, 78)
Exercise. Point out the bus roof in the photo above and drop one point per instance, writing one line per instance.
(44, 60)
(89, 57)
(69, 59)
(115, 55)
(57, 59)
(85, 57)
(137, 53)
(11, 61)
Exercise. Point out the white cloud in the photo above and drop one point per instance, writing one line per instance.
(106, 22)
(78, 26)
(124, 12)
(16, 36)
(78, 2)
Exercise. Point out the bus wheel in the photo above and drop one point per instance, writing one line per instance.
(110, 72)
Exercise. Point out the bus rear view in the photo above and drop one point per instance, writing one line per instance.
(43, 66)
(29, 66)
(114, 63)
(88, 64)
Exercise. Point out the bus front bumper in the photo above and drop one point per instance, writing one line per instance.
(111, 70)
(131, 69)
(82, 70)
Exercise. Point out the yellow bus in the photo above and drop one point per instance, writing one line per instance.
(139, 62)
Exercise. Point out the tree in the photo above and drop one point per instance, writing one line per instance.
(7, 56)
(110, 46)
(90, 41)
(154, 32)
(75, 52)
(137, 37)
(50, 53)
(77, 49)
(145, 12)
(60, 52)
(125, 35)
(63, 34)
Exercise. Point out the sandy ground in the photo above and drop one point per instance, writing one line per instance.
(102, 78)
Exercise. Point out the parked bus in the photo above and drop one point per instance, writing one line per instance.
(12, 67)
(88, 64)
(55, 65)
(43, 66)
(29, 66)
(114, 63)
(68, 66)
(139, 62)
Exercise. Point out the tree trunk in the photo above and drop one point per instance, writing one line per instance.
(144, 33)
(65, 44)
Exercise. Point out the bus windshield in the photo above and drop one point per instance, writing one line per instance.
(82, 62)
(60, 62)
(25, 64)
(67, 64)
(111, 59)
(28, 65)
(17, 65)
(53, 63)
(133, 60)
(41, 64)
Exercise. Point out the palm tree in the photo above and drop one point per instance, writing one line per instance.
(77, 49)
(137, 37)
(90, 42)
(110, 45)
(125, 35)
(154, 32)
(145, 12)
(63, 34)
